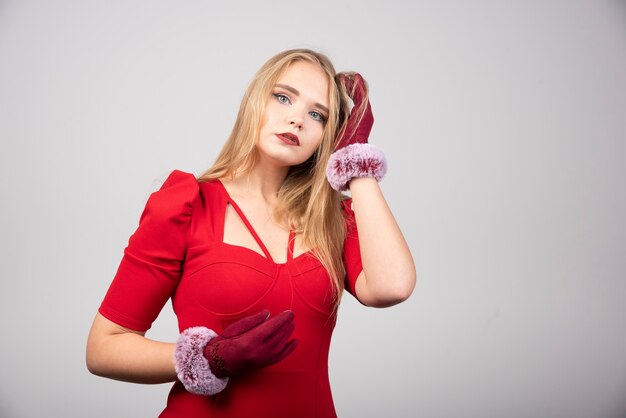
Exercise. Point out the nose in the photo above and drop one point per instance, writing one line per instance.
(296, 119)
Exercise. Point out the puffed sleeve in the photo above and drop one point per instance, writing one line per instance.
(351, 250)
(152, 261)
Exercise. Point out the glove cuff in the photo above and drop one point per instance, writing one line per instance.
(192, 368)
(355, 160)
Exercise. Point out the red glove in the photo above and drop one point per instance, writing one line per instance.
(354, 156)
(204, 360)
(357, 128)
(251, 343)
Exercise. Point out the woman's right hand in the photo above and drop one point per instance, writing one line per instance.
(252, 342)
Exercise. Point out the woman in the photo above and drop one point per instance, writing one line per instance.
(256, 252)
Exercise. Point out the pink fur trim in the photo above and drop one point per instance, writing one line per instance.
(192, 368)
(355, 160)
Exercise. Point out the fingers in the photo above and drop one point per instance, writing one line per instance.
(359, 89)
(266, 341)
(283, 351)
(273, 334)
(355, 86)
(288, 349)
(280, 335)
(276, 341)
(279, 324)
(246, 324)
(345, 81)
(278, 350)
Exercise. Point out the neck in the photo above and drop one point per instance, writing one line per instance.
(262, 181)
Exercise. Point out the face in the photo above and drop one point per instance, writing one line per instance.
(295, 115)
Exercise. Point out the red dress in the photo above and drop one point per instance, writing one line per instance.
(178, 252)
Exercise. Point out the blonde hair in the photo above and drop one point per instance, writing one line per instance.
(306, 202)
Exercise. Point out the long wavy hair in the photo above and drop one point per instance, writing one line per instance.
(306, 202)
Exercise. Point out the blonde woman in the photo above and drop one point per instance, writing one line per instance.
(256, 252)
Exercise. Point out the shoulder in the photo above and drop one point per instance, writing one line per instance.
(180, 183)
(183, 191)
(165, 220)
(175, 196)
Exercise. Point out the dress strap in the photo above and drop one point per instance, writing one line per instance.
(249, 226)
(292, 241)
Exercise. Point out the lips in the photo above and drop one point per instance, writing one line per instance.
(289, 138)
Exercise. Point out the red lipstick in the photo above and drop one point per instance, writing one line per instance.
(289, 138)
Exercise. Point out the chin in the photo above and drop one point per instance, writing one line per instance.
(284, 159)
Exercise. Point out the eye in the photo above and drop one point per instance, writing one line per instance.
(281, 98)
(317, 116)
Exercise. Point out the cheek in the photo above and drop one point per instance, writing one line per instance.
(264, 119)
(316, 139)
(269, 114)
(319, 133)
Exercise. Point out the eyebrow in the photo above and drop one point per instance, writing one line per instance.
(297, 93)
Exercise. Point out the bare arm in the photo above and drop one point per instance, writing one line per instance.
(388, 275)
(123, 354)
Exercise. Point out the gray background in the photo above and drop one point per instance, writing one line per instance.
(504, 126)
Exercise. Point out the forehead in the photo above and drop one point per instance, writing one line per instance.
(309, 79)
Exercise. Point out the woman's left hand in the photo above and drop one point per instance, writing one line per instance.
(353, 155)
(358, 127)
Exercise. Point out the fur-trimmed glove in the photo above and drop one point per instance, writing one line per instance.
(353, 155)
(205, 360)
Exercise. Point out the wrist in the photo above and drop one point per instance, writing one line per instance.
(355, 161)
(358, 183)
(216, 362)
(192, 367)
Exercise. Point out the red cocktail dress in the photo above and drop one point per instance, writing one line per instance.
(178, 252)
